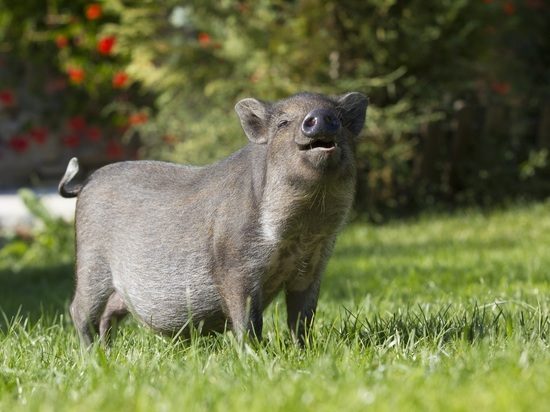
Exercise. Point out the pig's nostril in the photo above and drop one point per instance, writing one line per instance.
(310, 122)
(320, 122)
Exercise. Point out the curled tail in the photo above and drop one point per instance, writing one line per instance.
(72, 170)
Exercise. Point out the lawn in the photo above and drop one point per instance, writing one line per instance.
(443, 312)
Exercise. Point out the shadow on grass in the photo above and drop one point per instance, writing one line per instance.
(38, 291)
(35, 292)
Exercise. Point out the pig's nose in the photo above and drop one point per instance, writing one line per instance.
(320, 122)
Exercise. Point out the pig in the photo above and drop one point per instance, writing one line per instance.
(182, 247)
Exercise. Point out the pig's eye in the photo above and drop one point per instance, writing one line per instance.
(282, 123)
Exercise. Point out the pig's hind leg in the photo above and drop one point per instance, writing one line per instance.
(115, 310)
(93, 290)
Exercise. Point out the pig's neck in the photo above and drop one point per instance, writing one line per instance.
(287, 210)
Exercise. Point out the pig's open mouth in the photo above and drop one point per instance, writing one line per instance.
(318, 144)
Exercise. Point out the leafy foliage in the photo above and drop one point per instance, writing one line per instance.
(459, 89)
(51, 242)
(420, 63)
(64, 82)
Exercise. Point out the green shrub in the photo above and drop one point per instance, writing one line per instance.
(459, 89)
(50, 242)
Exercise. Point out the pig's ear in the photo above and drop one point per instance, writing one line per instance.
(254, 116)
(353, 107)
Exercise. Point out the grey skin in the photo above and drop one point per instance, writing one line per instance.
(210, 247)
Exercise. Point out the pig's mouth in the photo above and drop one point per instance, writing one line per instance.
(318, 145)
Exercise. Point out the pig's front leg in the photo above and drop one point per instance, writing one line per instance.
(300, 308)
(244, 307)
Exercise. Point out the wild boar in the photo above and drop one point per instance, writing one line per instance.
(210, 247)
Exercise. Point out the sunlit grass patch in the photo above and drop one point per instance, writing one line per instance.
(440, 313)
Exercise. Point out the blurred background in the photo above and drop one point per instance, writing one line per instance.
(459, 89)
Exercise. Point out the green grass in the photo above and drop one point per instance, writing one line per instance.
(441, 313)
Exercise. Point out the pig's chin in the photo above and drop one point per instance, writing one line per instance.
(323, 157)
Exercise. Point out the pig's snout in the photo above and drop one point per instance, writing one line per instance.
(321, 123)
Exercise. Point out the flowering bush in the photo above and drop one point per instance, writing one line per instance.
(458, 89)
(64, 84)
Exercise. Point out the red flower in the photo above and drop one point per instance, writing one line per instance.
(77, 123)
(61, 41)
(138, 118)
(509, 8)
(71, 140)
(93, 11)
(39, 134)
(105, 45)
(502, 88)
(93, 133)
(119, 80)
(76, 75)
(19, 144)
(114, 150)
(7, 98)
(204, 39)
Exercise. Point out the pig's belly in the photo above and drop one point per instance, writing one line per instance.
(173, 304)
